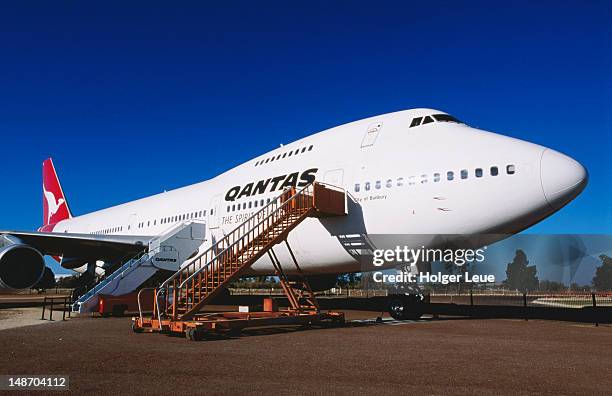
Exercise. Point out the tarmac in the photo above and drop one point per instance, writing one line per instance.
(432, 356)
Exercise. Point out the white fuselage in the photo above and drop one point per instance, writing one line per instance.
(399, 179)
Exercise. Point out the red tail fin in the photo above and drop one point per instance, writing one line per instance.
(55, 207)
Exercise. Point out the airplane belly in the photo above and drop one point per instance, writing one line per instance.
(315, 248)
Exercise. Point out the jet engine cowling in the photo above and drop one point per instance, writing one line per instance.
(21, 266)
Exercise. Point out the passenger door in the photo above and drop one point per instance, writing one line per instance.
(213, 213)
(334, 177)
(371, 134)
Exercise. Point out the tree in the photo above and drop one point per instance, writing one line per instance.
(69, 282)
(551, 286)
(603, 276)
(520, 275)
(349, 280)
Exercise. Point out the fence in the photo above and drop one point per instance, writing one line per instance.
(49, 303)
(532, 299)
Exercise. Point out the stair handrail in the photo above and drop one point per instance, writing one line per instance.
(245, 233)
(165, 285)
(134, 258)
(100, 285)
(123, 262)
(193, 260)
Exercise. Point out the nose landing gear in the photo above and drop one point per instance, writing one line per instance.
(406, 303)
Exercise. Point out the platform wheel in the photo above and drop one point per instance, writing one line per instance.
(234, 332)
(306, 325)
(193, 334)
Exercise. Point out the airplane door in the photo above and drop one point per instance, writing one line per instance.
(371, 134)
(213, 213)
(334, 177)
(132, 222)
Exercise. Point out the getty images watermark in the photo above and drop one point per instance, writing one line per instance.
(407, 256)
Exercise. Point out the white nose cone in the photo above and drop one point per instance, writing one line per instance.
(563, 178)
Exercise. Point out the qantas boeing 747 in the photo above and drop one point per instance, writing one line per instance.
(417, 173)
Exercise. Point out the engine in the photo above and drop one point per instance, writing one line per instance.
(21, 266)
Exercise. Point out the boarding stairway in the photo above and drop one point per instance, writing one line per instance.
(183, 295)
(165, 252)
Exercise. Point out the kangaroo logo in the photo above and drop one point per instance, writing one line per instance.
(52, 205)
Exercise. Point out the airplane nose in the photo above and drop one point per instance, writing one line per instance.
(562, 177)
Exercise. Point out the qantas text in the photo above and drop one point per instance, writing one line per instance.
(277, 183)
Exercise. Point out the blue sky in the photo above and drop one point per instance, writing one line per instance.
(133, 99)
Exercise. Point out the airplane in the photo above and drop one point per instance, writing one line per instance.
(414, 174)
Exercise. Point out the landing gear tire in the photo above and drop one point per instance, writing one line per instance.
(405, 309)
(136, 329)
(193, 334)
(338, 322)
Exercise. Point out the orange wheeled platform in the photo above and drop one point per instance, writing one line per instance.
(178, 302)
(234, 322)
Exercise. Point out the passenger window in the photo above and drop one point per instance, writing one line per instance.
(250, 204)
(233, 208)
(436, 177)
(267, 159)
(278, 157)
(356, 187)
(389, 183)
(423, 179)
(450, 175)
(284, 155)
(310, 148)
(367, 186)
(378, 184)
(411, 181)
(478, 172)
(510, 169)
(494, 171)
(261, 202)
(416, 122)
(464, 173)
(304, 149)
(427, 120)
(256, 163)
(400, 181)
(290, 153)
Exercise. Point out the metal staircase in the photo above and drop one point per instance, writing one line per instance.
(166, 251)
(182, 296)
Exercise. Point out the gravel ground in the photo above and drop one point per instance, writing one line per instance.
(457, 356)
(19, 317)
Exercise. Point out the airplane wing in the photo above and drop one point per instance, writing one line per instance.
(99, 247)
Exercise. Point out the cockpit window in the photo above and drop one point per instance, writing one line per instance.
(446, 118)
(427, 120)
(430, 118)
